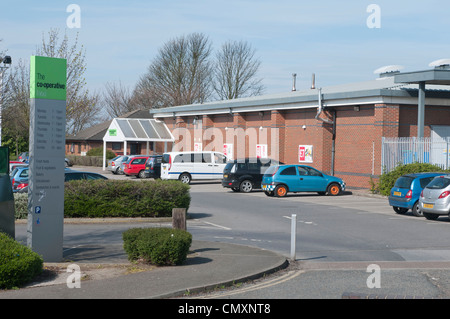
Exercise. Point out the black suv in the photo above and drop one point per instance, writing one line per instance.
(153, 167)
(244, 175)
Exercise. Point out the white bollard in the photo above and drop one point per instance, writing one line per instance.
(293, 234)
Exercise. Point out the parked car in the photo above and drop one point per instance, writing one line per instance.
(67, 162)
(281, 179)
(19, 178)
(405, 194)
(14, 164)
(186, 166)
(125, 159)
(114, 164)
(70, 175)
(135, 166)
(246, 174)
(153, 167)
(23, 157)
(435, 198)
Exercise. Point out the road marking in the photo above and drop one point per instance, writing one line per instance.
(267, 283)
(212, 224)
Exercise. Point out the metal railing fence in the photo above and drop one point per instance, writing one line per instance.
(406, 150)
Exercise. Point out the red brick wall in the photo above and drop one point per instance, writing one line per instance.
(357, 140)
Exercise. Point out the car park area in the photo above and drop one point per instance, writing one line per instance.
(355, 226)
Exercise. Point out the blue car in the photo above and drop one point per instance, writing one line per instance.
(405, 194)
(19, 178)
(281, 179)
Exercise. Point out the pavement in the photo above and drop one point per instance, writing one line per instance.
(209, 265)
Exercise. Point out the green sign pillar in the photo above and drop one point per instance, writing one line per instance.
(46, 161)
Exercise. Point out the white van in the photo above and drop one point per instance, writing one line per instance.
(187, 166)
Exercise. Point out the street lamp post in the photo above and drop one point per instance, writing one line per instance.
(5, 63)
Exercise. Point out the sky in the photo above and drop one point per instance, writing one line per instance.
(339, 41)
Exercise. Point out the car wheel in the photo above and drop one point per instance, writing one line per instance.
(416, 210)
(185, 178)
(270, 194)
(246, 186)
(141, 174)
(281, 191)
(334, 190)
(430, 216)
(400, 210)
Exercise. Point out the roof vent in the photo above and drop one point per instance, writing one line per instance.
(294, 76)
(388, 71)
(313, 81)
(441, 64)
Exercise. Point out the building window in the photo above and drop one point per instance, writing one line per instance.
(116, 146)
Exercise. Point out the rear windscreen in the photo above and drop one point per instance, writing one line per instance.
(228, 167)
(439, 183)
(166, 158)
(404, 182)
(271, 170)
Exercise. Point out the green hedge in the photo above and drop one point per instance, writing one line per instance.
(18, 263)
(121, 198)
(96, 161)
(158, 246)
(387, 180)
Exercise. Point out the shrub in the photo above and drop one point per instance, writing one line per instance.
(122, 198)
(21, 205)
(387, 180)
(18, 263)
(96, 161)
(159, 246)
(99, 152)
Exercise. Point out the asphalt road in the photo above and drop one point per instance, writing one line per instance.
(342, 235)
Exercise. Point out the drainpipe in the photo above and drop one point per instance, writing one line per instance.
(333, 142)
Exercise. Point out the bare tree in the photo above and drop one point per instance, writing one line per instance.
(180, 73)
(82, 107)
(16, 107)
(117, 99)
(235, 71)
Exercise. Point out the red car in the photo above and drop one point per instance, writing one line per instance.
(135, 166)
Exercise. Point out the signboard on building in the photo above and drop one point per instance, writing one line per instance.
(198, 147)
(305, 153)
(228, 150)
(47, 152)
(261, 151)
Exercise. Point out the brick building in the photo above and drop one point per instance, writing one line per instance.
(335, 129)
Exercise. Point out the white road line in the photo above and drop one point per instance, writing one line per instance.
(212, 224)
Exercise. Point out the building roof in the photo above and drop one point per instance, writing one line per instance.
(381, 90)
(97, 132)
(132, 129)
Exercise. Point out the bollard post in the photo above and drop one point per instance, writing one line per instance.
(179, 218)
(293, 234)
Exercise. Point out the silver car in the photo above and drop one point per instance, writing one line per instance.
(115, 163)
(435, 198)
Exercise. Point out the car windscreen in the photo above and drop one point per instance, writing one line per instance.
(404, 182)
(439, 183)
